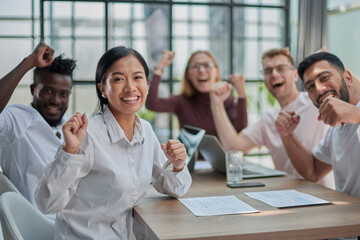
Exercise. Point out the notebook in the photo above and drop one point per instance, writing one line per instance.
(191, 137)
(212, 151)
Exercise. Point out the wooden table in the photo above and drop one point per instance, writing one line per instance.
(162, 217)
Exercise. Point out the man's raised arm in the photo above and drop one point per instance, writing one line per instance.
(229, 137)
(42, 56)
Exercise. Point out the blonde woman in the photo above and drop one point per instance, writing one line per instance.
(192, 105)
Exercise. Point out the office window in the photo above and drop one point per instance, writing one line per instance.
(237, 32)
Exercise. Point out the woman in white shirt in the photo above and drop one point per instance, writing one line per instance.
(106, 166)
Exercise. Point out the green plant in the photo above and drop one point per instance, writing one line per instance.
(146, 114)
(252, 100)
(270, 98)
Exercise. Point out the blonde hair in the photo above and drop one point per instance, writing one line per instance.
(187, 88)
(278, 51)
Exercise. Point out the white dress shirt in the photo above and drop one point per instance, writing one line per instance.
(93, 192)
(27, 144)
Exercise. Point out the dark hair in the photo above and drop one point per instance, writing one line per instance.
(106, 61)
(60, 65)
(310, 60)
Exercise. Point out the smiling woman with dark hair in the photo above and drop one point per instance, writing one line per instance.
(106, 166)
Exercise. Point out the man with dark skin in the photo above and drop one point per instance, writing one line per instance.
(30, 135)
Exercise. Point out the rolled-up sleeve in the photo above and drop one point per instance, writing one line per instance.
(175, 184)
(164, 180)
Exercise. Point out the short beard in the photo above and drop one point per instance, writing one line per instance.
(54, 123)
(344, 92)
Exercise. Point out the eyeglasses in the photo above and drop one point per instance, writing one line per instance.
(207, 66)
(281, 69)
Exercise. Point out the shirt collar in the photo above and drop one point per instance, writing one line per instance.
(116, 133)
(292, 104)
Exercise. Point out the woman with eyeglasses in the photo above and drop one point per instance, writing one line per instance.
(192, 105)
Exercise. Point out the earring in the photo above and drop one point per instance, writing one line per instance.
(103, 95)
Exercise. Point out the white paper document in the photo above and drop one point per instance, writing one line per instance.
(286, 198)
(213, 206)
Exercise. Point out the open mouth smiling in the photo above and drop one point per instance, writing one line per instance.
(130, 99)
(277, 85)
(202, 80)
(53, 109)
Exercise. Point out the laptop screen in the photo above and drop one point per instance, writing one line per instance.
(191, 137)
(212, 151)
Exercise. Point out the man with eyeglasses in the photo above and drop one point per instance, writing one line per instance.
(280, 76)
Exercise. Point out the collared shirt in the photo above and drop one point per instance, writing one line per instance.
(341, 149)
(309, 132)
(94, 191)
(27, 144)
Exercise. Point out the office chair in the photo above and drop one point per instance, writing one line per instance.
(6, 185)
(21, 221)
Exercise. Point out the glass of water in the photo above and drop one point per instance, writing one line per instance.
(234, 166)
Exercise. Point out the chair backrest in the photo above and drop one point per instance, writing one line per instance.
(21, 220)
(6, 185)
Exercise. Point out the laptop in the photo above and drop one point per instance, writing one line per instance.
(212, 151)
(191, 137)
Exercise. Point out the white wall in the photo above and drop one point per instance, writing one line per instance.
(344, 38)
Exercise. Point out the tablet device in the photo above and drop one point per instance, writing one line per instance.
(191, 137)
